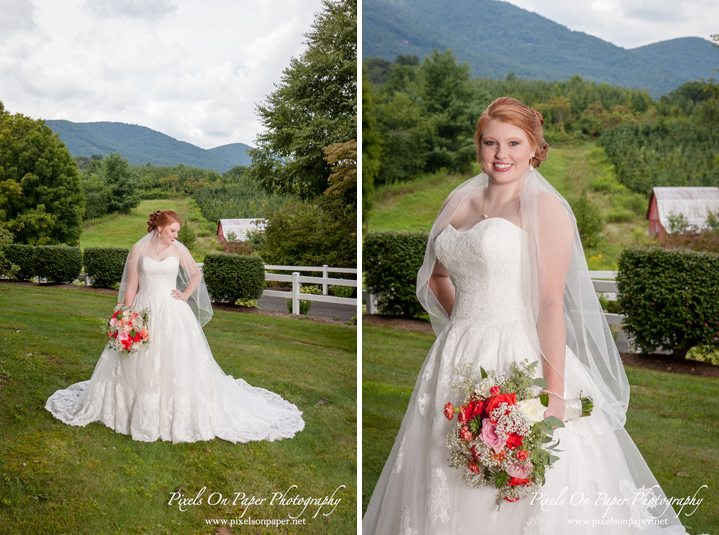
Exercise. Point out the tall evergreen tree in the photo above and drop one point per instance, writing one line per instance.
(122, 194)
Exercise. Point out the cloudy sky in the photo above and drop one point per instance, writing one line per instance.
(190, 69)
(631, 23)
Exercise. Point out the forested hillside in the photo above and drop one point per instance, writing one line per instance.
(142, 145)
(534, 48)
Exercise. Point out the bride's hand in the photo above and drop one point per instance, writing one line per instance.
(177, 294)
(555, 408)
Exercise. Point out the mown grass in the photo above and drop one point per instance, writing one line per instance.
(61, 479)
(571, 169)
(673, 419)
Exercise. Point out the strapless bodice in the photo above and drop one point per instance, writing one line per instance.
(158, 277)
(488, 267)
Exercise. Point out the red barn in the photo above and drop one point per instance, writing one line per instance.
(693, 203)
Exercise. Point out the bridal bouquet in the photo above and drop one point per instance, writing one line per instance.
(501, 438)
(127, 331)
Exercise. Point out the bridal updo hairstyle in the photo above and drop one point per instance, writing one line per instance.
(511, 111)
(162, 218)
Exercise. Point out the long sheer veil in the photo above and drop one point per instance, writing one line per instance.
(553, 249)
(188, 276)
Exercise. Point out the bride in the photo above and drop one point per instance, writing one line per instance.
(505, 279)
(172, 388)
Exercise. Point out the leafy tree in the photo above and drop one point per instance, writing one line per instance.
(589, 220)
(122, 188)
(454, 108)
(371, 147)
(41, 200)
(314, 106)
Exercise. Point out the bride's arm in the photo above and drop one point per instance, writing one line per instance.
(442, 287)
(133, 277)
(191, 270)
(555, 241)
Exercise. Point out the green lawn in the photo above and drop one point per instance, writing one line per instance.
(673, 419)
(62, 479)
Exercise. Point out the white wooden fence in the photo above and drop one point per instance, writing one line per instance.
(325, 280)
(604, 282)
(296, 279)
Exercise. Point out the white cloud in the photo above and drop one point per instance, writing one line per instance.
(150, 10)
(631, 23)
(15, 16)
(195, 75)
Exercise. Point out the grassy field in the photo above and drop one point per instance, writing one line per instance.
(120, 230)
(62, 479)
(412, 206)
(673, 419)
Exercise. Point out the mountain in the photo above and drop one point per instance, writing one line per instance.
(234, 152)
(142, 145)
(692, 57)
(497, 38)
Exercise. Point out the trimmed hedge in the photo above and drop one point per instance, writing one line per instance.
(58, 263)
(391, 262)
(670, 298)
(233, 277)
(22, 256)
(104, 265)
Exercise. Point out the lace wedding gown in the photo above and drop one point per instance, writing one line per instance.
(172, 388)
(418, 493)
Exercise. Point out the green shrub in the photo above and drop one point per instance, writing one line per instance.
(233, 277)
(104, 265)
(58, 263)
(619, 215)
(186, 236)
(391, 261)
(670, 298)
(22, 256)
(305, 304)
(343, 291)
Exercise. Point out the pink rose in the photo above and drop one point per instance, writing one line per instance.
(449, 411)
(519, 471)
(465, 433)
(113, 321)
(122, 336)
(489, 435)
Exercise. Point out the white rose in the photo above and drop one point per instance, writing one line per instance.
(532, 409)
(483, 387)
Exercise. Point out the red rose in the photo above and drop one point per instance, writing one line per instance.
(493, 403)
(449, 411)
(522, 455)
(513, 441)
(515, 481)
(495, 390)
(473, 467)
(470, 411)
(465, 433)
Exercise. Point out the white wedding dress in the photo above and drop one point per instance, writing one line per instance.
(418, 493)
(172, 388)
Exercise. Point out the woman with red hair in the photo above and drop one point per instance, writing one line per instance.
(505, 279)
(172, 388)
